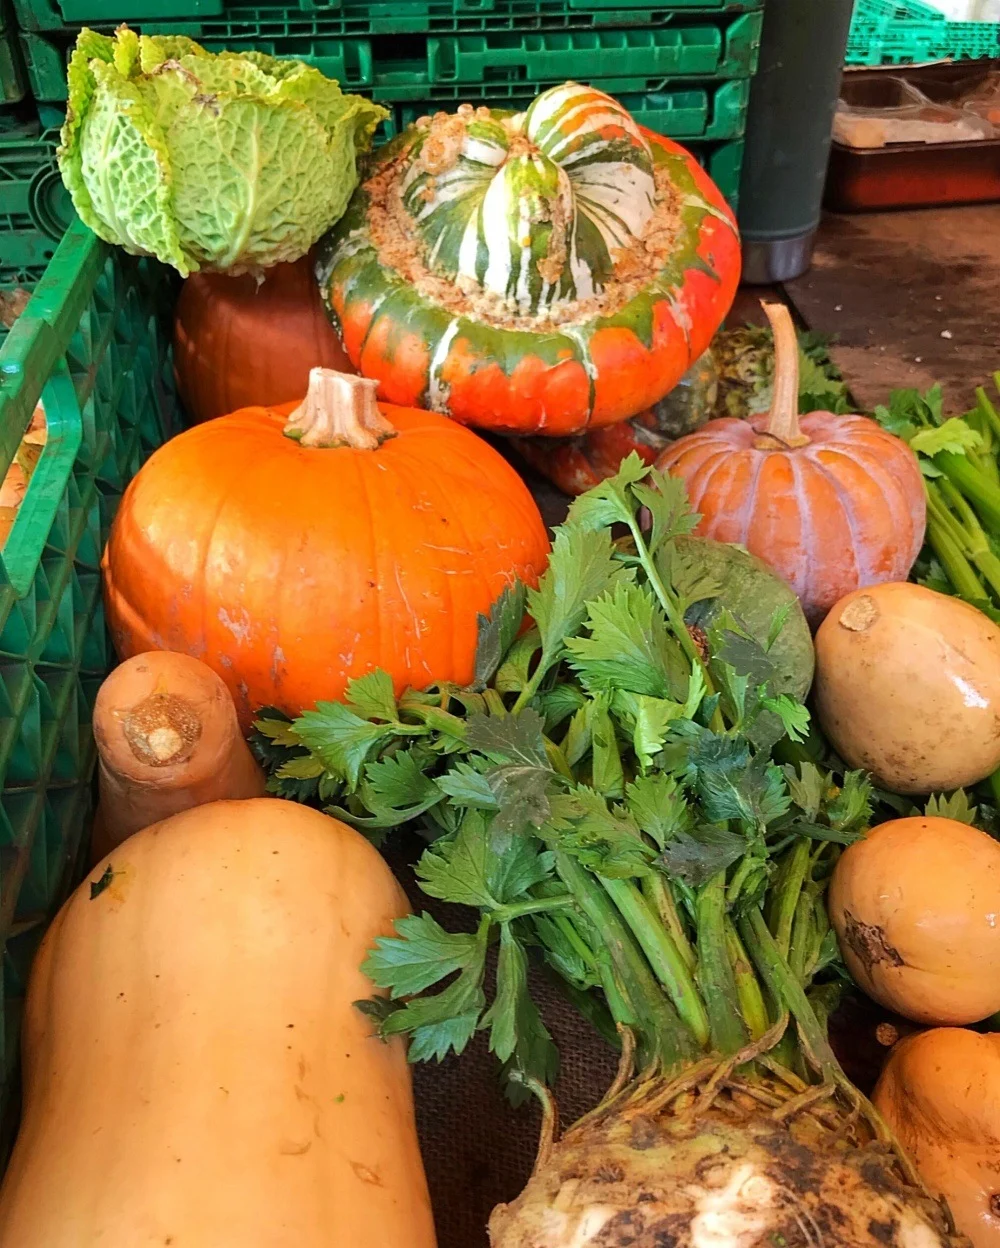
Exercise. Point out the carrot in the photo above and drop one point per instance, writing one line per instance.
(168, 739)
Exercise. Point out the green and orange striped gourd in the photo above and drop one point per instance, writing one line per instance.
(542, 272)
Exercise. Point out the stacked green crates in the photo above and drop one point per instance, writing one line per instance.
(683, 67)
(93, 346)
(907, 32)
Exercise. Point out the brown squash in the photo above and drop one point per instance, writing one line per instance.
(196, 1073)
(242, 341)
(940, 1093)
(167, 739)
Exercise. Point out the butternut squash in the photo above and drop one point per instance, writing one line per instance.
(908, 687)
(916, 909)
(940, 1092)
(168, 739)
(196, 1073)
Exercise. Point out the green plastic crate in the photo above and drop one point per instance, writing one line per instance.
(969, 40)
(905, 32)
(404, 66)
(13, 79)
(228, 23)
(93, 345)
(35, 207)
(713, 112)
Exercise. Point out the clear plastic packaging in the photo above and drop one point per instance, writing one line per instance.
(880, 112)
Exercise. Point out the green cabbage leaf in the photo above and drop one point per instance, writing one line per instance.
(223, 161)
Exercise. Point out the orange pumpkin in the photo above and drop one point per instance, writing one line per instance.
(832, 503)
(243, 340)
(291, 555)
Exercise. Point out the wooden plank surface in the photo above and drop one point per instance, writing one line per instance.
(914, 298)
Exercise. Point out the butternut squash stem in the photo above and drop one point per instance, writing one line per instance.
(783, 417)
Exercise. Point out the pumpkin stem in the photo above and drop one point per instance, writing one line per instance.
(783, 418)
(339, 410)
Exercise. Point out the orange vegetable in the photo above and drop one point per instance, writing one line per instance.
(291, 555)
(195, 1069)
(545, 272)
(241, 341)
(940, 1093)
(830, 502)
(916, 909)
(168, 740)
(908, 687)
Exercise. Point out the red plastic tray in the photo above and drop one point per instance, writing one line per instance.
(914, 175)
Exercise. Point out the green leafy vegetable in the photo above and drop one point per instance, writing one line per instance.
(228, 161)
(604, 798)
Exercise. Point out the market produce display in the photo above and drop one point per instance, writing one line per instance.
(908, 687)
(194, 1067)
(914, 906)
(167, 739)
(249, 340)
(606, 795)
(293, 548)
(228, 161)
(542, 272)
(613, 745)
(938, 1092)
(831, 502)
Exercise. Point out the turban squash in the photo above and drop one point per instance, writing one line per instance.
(294, 548)
(535, 273)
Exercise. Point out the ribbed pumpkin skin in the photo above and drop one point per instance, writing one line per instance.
(537, 377)
(238, 341)
(845, 511)
(290, 569)
(195, 1070)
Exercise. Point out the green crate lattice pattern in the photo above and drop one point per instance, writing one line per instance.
(220, 20)
(905, 32)
(35, 207)
(406, 67)
(93, 345)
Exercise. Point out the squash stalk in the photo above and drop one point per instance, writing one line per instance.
(339, 410)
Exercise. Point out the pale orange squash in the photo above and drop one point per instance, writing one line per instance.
(196, 1073)
(916, 909)
(940, 1093)
(167, 739)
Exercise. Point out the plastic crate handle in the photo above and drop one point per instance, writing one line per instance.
(36, 515)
